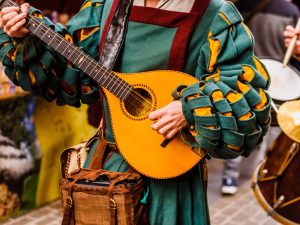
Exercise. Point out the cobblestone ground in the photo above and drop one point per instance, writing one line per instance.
(241, 209)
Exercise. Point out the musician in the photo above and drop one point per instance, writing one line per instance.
(227, 113)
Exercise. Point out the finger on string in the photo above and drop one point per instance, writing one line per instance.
(15, 20)
(6, 10)
(9, 16)
(25, 8)
(18, 26)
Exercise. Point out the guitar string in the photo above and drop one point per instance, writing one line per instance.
(133, 93)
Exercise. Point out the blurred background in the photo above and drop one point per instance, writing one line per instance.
(29, 165)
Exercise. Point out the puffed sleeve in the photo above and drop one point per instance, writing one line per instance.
(228, 110)
(37, 68)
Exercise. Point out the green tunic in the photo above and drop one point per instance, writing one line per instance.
(218, 50)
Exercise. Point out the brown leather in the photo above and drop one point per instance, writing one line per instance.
(117, 203)
(97, 157)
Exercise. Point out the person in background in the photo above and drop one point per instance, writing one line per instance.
(214, 46)
(267, 20)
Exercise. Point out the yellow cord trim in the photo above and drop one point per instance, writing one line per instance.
(248, 31)
(215, 76)
(224, 18)
(260, 68)
(214, 46)
(85, 33)
(89, 4)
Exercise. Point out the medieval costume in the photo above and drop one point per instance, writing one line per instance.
(227, 111)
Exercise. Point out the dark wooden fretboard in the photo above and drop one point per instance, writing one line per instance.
(75, 55)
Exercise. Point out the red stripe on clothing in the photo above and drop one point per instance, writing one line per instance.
(107, 25)
(184, 22)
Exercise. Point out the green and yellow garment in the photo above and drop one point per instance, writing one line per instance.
(227, 111)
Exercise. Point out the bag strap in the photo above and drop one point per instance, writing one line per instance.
(259, 8)
(98, 154)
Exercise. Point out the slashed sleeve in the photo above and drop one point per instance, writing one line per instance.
(228, 110)
(37, 68)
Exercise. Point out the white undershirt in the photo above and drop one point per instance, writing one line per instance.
(172, 5)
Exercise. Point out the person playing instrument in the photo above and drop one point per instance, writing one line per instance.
(226, 111)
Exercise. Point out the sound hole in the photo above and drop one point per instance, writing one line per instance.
(138, 103)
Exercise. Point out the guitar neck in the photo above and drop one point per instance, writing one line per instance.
(104, 77)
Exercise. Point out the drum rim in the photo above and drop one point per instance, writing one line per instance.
(289, 65)
(265, 205)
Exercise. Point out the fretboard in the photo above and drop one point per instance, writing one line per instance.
(75, 55)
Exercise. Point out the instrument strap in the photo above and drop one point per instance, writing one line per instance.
(115, 35)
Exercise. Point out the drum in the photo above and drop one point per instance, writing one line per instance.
(285, 83)
(276, 182)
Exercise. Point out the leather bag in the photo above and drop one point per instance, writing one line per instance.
(97, 196)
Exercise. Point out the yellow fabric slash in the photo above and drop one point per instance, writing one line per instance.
(214, 46)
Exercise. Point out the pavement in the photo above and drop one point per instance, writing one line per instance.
(240, 209)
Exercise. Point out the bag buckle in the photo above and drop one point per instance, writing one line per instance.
(112, 204)
(69, 202)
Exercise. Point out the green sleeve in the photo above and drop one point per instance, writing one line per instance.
(239, 116)
(37, 68)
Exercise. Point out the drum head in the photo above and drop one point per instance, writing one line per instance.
(285, 81)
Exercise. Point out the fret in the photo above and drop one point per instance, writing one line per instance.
(70, 54)
(68, 44)
(87, 64)
(52, 39)
(45, 33)
(90, 61)
(120, 89)
(59, 44)
(77, 58)
(28, 23)
(34, 32)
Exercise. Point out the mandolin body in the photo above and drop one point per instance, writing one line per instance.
(139, 144)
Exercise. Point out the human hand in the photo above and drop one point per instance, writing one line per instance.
(12, 20)
(288, 34)
(170, 119)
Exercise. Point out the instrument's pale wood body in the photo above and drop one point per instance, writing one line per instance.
(139, 144)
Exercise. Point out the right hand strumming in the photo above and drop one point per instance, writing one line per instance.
(12, 20)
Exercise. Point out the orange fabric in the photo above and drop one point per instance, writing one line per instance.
(263, 101)
(260, 68)
(248, 73)
(32, 78)
(86, 32)
(214, 46)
